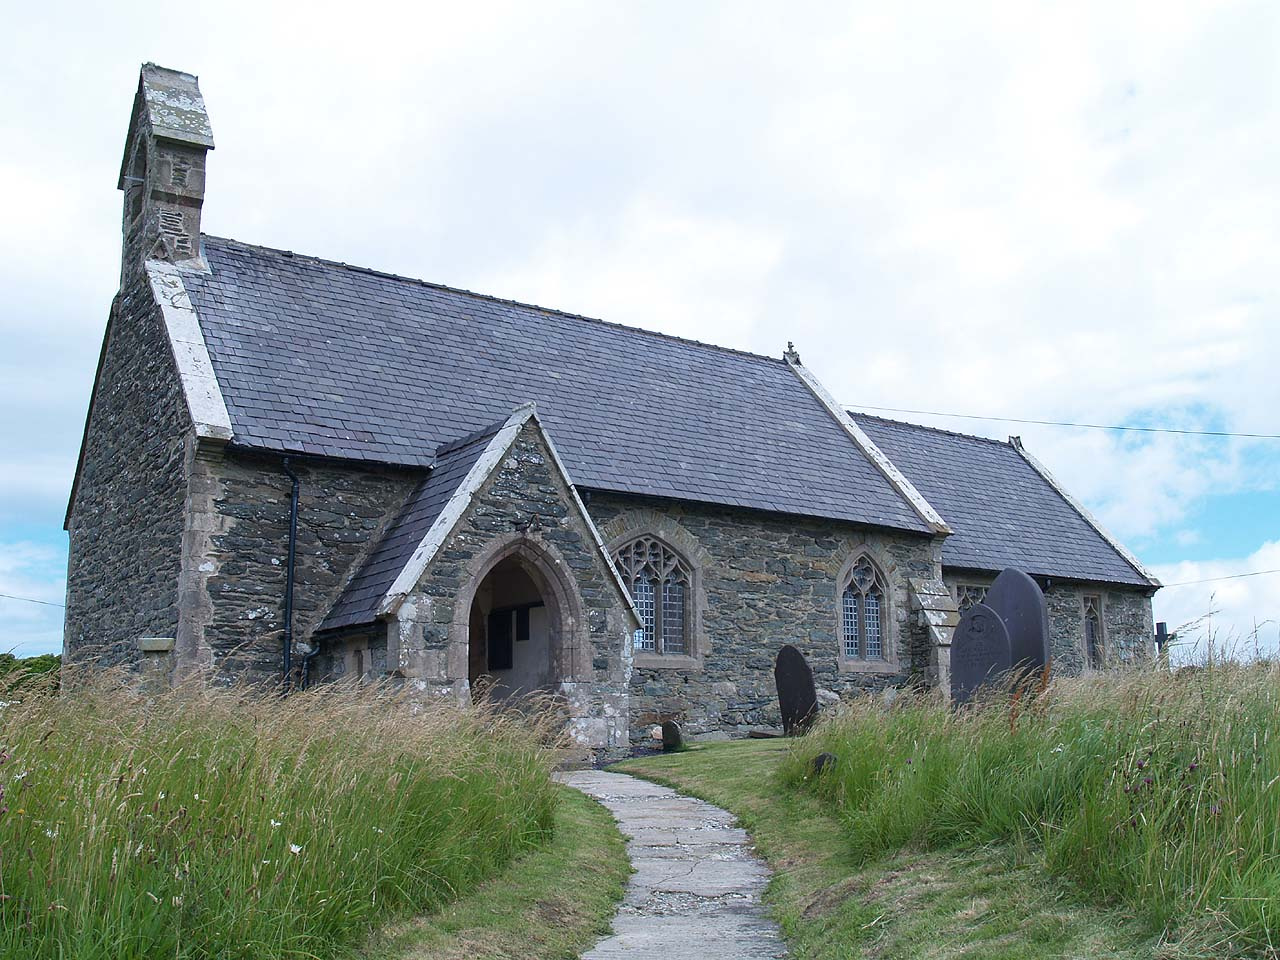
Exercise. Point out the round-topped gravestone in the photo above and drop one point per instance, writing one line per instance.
(672, 737)
(797, 697)
(1019, 602)
(979, 652)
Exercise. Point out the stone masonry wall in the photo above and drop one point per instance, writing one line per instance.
(765, 580)
(126, 518)
(524, 510)
(239, 566)
(1128, 626)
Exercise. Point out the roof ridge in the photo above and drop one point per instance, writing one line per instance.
(356, 268)
(924, 426)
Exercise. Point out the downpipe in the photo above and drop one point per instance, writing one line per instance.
(286, 656)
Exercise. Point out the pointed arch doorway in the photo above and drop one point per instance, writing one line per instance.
(522, 623)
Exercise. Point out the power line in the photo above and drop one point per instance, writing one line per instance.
(47, 603)
(1089, 426)
(1234, 576)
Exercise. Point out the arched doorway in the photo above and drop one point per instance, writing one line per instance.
(513, 633)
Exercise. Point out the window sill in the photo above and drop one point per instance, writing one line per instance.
(867, 666)
(658, 661)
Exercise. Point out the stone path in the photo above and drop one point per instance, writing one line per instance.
(696, 891)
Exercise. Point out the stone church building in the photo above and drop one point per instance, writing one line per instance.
(295, 470)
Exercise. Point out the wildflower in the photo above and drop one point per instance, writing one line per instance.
(1141, 765)
(1214, 810)
(21, 811)
(1194, 766)
(908, 761)
(160, 795)
(1147, 780)
(275, 823)
(51, 834)
(1057, 749)
(295, 849)
(378, 830)
(5, 757)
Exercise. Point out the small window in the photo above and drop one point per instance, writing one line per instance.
(1094, 642)
(658, 580)
(967, 594)
(862, 613)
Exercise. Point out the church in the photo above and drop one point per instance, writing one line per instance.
(296, 471)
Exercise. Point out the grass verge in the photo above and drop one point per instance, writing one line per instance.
(551, 904)
(1146, 788)
(835, 903)
(223, 823)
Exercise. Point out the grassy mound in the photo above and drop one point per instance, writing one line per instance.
(1162, 791)
(203, 823)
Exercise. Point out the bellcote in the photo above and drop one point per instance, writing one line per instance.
(162, 174)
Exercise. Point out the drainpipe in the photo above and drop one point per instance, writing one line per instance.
(286, 664)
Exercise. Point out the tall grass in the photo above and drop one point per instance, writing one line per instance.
(1159, 789)
(205, 823)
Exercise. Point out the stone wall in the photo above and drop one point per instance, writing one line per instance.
(126, 517)
(763, 580)
(525, 510)
(237, 566)
(1128, 627)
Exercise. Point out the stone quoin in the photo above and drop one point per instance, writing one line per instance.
(493, 496)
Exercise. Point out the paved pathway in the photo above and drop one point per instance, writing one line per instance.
(696, 891)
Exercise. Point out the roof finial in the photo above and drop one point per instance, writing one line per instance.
(791, 356)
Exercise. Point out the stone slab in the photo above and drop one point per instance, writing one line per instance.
(696, 891)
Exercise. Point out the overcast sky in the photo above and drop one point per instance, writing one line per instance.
(1063, 213)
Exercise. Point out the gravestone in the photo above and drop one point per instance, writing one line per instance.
(672, 737)
(1019, 602)
(797, 697)
(980, 652)
(822, 763)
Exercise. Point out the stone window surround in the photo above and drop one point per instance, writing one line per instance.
(631, 524)
(1099, 599)
(889, 621)
(967, 588)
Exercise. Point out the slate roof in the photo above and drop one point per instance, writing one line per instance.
(359, 601)
(321, 358)
(1002, 511)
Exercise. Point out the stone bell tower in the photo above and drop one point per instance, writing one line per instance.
(162, 174)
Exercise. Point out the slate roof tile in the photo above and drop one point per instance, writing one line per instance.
(1002, 511)
(367, 366)
(361, 597)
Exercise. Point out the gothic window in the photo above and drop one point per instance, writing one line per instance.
(862, 613)
(658, 579)
(1094, 646)
(967, 594)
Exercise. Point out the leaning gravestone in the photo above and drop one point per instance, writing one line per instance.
(979, 652)
(1020, 604)
(797, 697)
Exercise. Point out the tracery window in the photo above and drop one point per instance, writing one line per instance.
(658, 579)
(1094, 645)
(967, 594)
(862, 613)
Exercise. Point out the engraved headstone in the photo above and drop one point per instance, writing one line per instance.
(1019, 602)
(797, 697)
(672, 737)
(979, 652)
